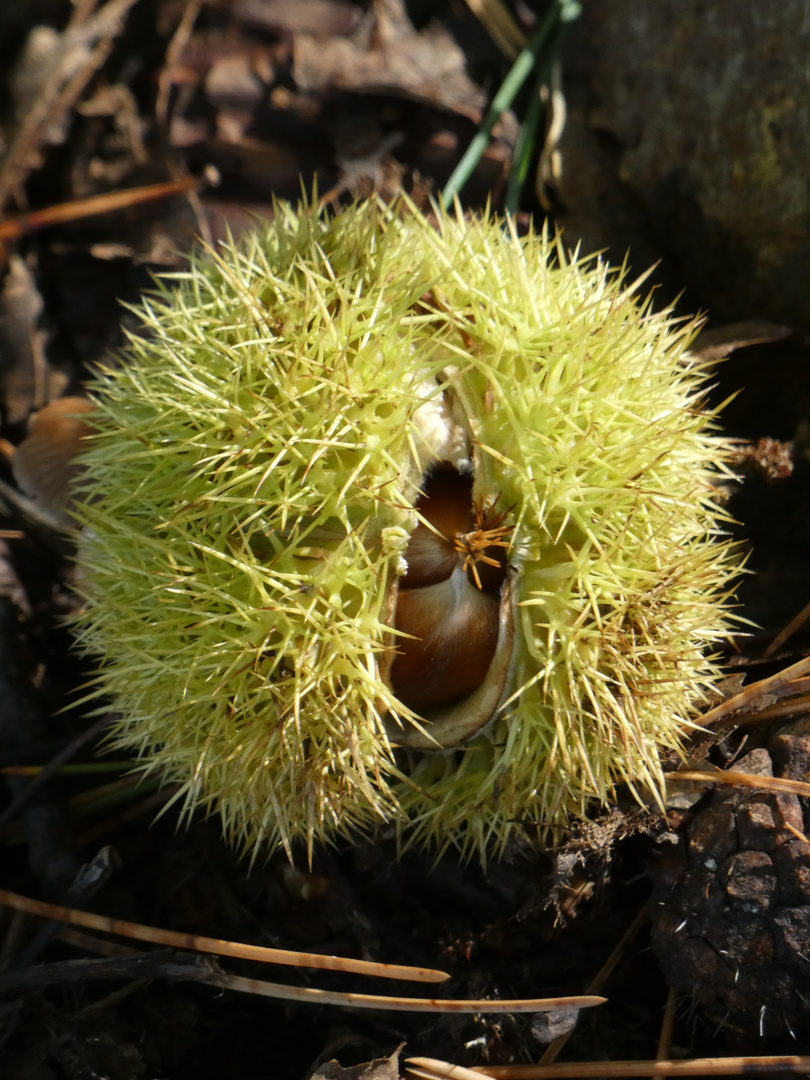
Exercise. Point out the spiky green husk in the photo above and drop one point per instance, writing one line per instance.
(258, 457)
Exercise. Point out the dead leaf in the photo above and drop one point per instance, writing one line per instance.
(44, 464)
(388, 55)
(548, 1026)
(231, 83)
(379, 1069)
(318, 18)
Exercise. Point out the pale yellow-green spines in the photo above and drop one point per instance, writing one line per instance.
(260, 450)
(596, 432)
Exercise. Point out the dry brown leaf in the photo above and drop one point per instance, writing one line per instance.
(424, 65)
(379, 1069)
(44, 464)
(318, 18)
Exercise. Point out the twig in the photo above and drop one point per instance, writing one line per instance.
(84, 45)
(163, 964)
(174, 50)
(84, 887)
(30, 510)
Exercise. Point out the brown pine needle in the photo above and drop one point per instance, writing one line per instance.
(17, 226)
(215, 945)
(500, 25)
(667, 1025)
(53, 766)
(108, 825)
(580, 1070)
(796, 832)
(400, 1004)
(788, 631)
(554, 1049)
(96, 794)
(93, 944)
(778, 683)
(215, 977)
(739, 779)
(791, 707)
(430, 1069)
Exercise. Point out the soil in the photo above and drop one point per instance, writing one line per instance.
(254, 101)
